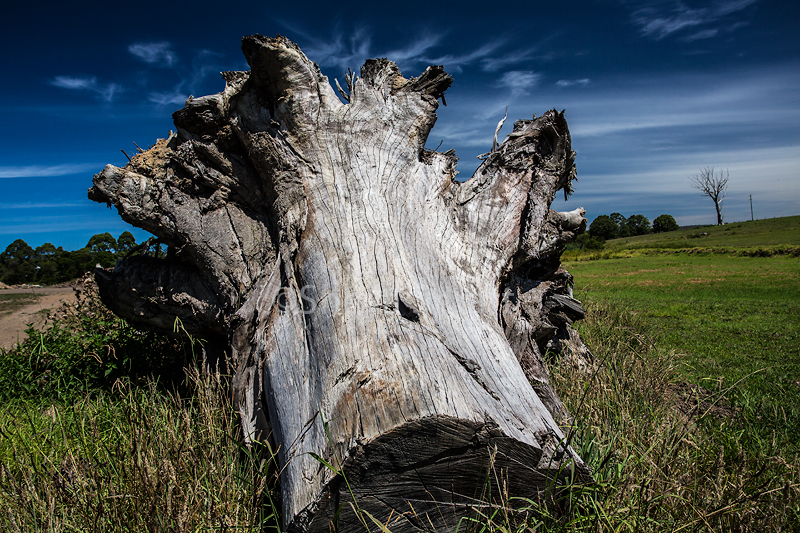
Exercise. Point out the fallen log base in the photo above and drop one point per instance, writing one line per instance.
(465, 469)
(348, 276)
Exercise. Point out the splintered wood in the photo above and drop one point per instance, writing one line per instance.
(375, 313)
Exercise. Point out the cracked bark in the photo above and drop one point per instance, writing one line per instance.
(376, 311)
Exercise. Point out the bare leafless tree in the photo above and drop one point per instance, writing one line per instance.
(714, 185)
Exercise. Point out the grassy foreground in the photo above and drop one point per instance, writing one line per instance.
(131, 460)
(106, 428)
(668, 456)
(128, 455)
(731, 312)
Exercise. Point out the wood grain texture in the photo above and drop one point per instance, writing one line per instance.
(378, 313)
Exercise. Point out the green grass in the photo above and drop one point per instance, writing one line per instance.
(102, 429)
(665, 457)
(87, 348)
(759, 233)
(733, 321)
(132, 460)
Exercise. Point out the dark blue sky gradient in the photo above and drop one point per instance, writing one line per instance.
(653, 89)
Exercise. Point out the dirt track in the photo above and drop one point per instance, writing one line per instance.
(12, 325)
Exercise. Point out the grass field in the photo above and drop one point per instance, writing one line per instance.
(783, 231)
(733, 321)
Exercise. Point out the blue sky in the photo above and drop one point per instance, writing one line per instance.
(653, 91)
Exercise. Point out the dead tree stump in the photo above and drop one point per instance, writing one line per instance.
(378, 313)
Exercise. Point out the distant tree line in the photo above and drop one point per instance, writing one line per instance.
(46, 264)
(615, 226)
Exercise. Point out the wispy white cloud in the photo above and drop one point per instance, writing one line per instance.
(192, 77)
(519, 81)
(106, 91)
(661, 184)
(352, 51)
(159, 54)
(68, 82)
(724, 7)
(638, 139)
(755, 98)
(456, 62)
(204, 64)
(499, 62)
(736, 25)
(658, 19)
(342, 53)
(167, 98)
(414, 50)
(702, 34)
(659, 26)
(583, 82)
(669, 172)
(46, 171)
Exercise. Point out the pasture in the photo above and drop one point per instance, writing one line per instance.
(730, 313)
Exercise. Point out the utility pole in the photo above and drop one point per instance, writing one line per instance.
(751, 207)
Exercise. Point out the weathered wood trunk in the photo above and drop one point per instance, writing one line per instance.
(377, 312)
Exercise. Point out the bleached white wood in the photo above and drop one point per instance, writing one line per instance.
(376, 312)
